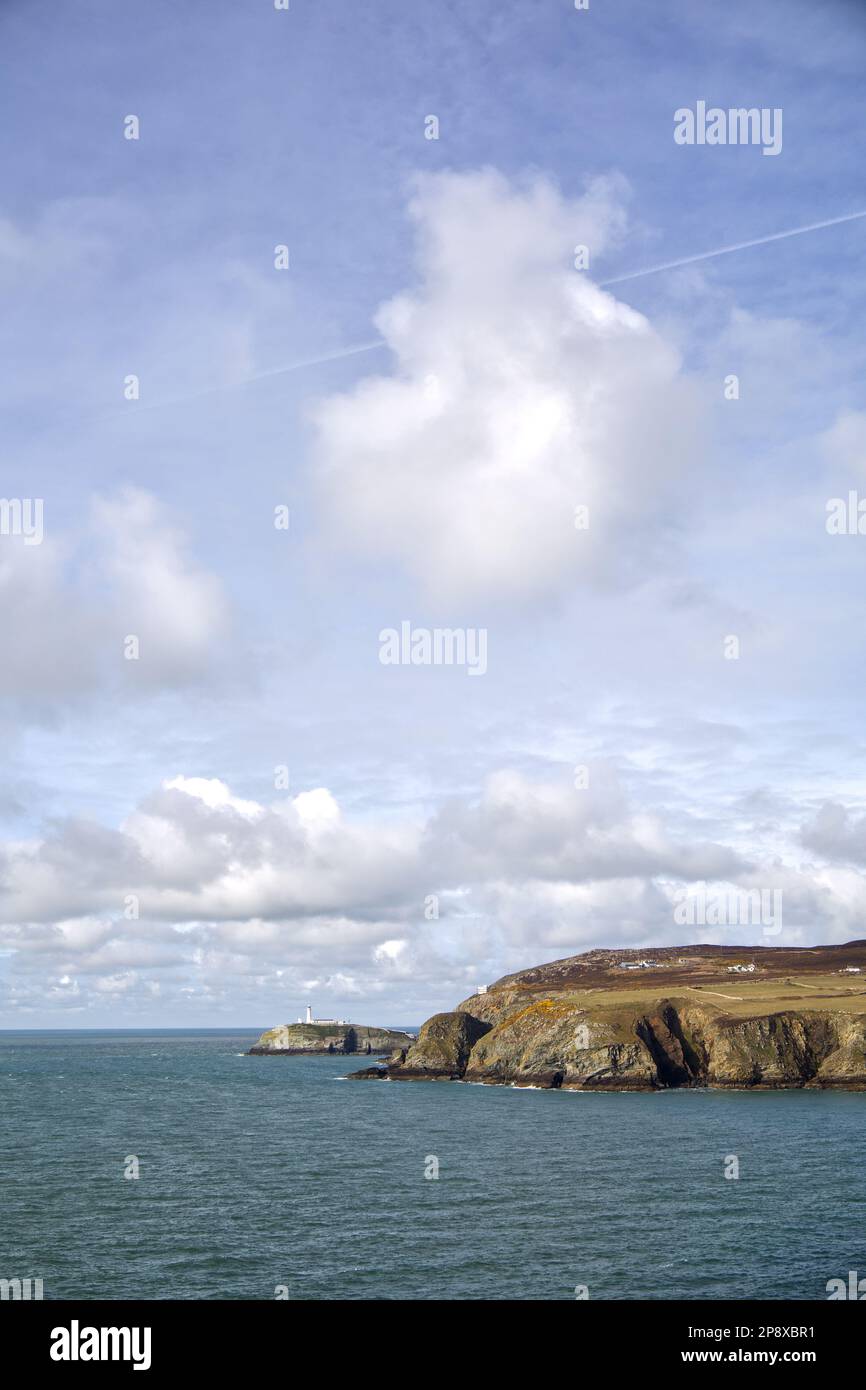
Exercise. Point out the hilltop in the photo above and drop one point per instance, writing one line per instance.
(656, 1018)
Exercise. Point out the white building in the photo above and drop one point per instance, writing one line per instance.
(339, 1022)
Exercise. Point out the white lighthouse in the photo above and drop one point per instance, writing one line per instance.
(340, 1022)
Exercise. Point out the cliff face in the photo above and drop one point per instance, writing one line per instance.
(442, 1052)
(673, 1044)
(291, 1039)
(551, 1027)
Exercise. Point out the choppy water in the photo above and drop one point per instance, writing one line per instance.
(258, 1172)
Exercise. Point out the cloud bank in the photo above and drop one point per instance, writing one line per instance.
(198, 891)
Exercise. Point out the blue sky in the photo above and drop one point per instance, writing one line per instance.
(430, 479)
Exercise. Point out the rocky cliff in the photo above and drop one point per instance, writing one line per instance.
(292, 1039)
(689, 1016)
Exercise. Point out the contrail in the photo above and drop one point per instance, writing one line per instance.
(371, 346)
(298, 366)
(316, 361)
(739, 246)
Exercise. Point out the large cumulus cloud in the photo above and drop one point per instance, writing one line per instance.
(520, 391)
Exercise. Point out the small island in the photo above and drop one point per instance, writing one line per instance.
(624, 1020)
(329, 1036)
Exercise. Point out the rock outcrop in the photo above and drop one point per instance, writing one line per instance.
(294, 1039)
(551, 1027)
(443, 1048)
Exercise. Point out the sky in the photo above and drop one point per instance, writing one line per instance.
(359, 328)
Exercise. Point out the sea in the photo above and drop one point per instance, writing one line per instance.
(274, 1177)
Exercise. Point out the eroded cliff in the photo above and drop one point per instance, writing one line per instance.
(771, 1019)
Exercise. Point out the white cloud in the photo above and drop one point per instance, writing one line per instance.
(68, 604)
(213, 793)
(523, 829)
(317, 809)
(837, 833)
(175, 609)
(520, 391)
(238, 896)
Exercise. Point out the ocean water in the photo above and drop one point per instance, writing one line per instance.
(258, 1172)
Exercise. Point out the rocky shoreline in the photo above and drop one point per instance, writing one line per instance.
(587, 1024)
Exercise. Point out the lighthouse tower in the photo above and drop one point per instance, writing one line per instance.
(309, 1017)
